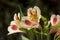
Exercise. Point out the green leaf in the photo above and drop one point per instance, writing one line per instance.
(43, 18)
(30, 34)
(45, 21)
(24, 38)
(58, 25)
(23, 29)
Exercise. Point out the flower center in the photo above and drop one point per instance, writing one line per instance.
(54, 20)
(27, 22)
(14, 27)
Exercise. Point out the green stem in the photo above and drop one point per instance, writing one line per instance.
(48, 36)
(37, 37)
(36, 34)
(55, 36)
(41, 35)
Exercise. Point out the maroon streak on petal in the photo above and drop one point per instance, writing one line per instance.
(54, 20)
(31, 12)
(27, 22)
(14, 27)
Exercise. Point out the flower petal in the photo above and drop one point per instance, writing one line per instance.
(54, 20)
(23, 23)
(16, 17)
(29, 12)
(34, 14)
(13, 23)
(11, 31)
(26, 23)
(19, 15)
(38, 12)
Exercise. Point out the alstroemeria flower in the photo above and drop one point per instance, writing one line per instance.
(32, 19)
(14, 25)
(13, 28)
(26, 23)
(34, 14)
(55, 20)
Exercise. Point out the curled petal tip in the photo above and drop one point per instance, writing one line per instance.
(29, 11)
(15, 16)
(19, 15)
(38, 11)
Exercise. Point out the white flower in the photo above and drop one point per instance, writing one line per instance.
(34, 14)
(15, 25)
(11, 31)
(13, 28)
(26, 23)
(55, 20)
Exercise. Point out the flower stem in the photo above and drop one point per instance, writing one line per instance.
(48, 36)
(36, 35)
(41, 35)
(55, 36)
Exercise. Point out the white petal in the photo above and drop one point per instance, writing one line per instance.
(52, 17)
(12, 23)
(15, 16)
(58, 16)
(23, 23)
(29, 26)
(35, 26)
(13, 31)
(58, 19)
(28, 11)
(19, 15)
(38, 11)
(25, 26)
(24, 18)
(34, 9)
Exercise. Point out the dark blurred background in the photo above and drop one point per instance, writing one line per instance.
(9, 7)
